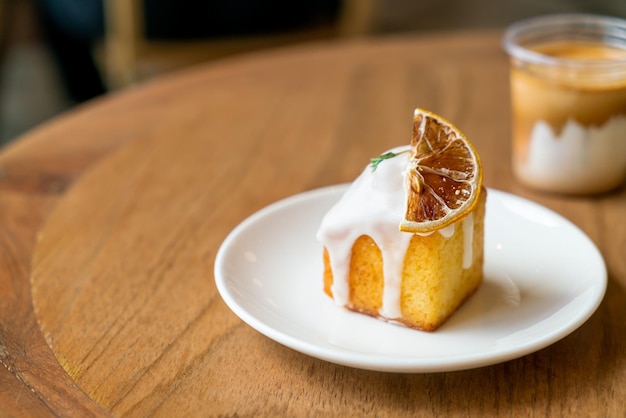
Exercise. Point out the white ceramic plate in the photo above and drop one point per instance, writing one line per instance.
(543, 279)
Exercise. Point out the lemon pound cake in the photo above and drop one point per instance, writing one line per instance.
(405, 241)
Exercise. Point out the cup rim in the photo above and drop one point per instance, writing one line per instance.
(614, 26)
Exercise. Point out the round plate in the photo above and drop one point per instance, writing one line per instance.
(543, 279)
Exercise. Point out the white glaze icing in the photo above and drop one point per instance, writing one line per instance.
(373, 205)
(468, 240)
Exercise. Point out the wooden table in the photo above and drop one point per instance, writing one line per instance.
(111, 215)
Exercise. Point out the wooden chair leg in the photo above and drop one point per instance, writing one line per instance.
(123, 30)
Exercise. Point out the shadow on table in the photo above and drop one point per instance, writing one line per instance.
(551, 380)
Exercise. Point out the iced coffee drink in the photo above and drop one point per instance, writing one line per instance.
(568, 92)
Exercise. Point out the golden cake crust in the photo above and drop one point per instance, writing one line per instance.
(434, 282)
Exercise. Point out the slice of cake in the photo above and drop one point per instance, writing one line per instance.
(405, 242)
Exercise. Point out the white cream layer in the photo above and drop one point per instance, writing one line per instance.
(373, 205)
(580, 160)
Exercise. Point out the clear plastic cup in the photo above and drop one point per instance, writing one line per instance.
(568, 98)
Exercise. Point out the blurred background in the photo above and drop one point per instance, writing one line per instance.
(57, 54)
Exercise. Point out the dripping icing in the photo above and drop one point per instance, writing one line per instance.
(373, 205)
(468, 239)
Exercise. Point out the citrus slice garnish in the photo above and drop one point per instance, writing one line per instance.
(444, 176)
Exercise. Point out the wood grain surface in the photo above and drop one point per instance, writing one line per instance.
(110, 218)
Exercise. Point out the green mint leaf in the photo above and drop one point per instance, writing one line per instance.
(374, 162)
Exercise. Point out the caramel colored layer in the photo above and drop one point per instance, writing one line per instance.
(555, 95)
(581, 51)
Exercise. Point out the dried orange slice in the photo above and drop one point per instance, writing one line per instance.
(444, 176)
